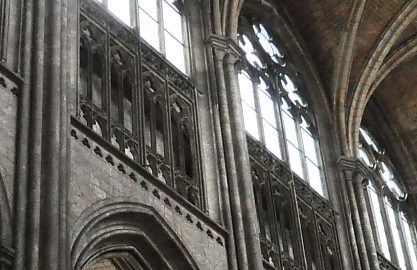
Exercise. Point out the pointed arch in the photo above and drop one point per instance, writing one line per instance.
(405, 52)
(119, 226)
(343, 68)
(392, 33)
(226, 14)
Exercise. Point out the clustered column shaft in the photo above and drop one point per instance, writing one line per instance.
(40, 235)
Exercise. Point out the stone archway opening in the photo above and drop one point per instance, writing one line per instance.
(127, 235)
(106, 264)
(117, 263)
(118, 258)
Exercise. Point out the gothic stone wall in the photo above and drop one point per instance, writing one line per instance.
(94, 177)
(8, 113)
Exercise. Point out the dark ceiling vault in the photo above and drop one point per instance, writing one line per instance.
(374, 36)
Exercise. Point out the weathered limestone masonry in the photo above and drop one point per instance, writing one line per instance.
(114, 156)
(119, 187)
(8, 114)
(355, 176)
(42, 153)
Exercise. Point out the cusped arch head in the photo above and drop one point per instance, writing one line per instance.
(122, 229)
(295, 53)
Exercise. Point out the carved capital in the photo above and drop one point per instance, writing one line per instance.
(225, 46)
(353, 168)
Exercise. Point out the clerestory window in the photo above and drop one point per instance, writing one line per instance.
(394, 232)
(287, 172)
(274, 111)
(159, 22)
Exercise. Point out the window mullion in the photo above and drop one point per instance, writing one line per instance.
(258, 112)
(301, 150)
(372, 215)
(278, 118)
(388, 230)
(136, 16)
(186, 34)
(403, 240)
(321, 167)
(132, 12)
(283, 137)
(413, 233)
(161, 27)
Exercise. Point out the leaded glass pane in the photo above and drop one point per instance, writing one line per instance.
(295, 159)
(149, 6)
(271, 139)
(370, 141)
(288, 84)
(174, 52)
(246, 90)
(278, 108)
(251, 121)
(396, 235)
(379, 222)
(247, 46)
(409, 241)
(172, 21)
(309, 147)
(290, 130)
(121, 8)
(314, 177)
(267, 108)
(149, 29)
(364, 157)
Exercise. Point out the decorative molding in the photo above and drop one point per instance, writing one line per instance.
(151, 73)
(286, 177)
(95, 14)
(259, 153)
(10, 80)
(226, 45)
(385, 264)
(134, 171)
(355, 166)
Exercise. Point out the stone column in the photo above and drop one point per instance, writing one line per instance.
(358, 181)
(219, 46)
(348, 167)
(40, 234)
(238, 133)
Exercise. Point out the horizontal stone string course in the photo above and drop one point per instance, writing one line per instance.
(122, 168)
